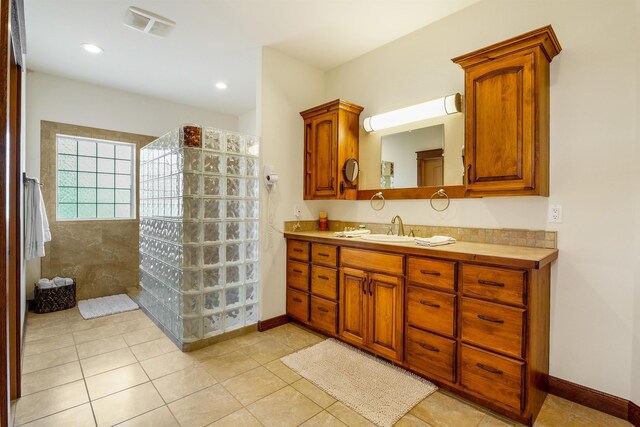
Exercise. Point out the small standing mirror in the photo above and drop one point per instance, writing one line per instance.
(351, 170)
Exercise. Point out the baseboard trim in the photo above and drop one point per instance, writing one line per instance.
(274, 322)
(595, 399)
(634, 414)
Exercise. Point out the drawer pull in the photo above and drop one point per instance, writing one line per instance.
(429, 304)
(364, 286)
(296, 299)
(295, 270)
(323, 277)
(490, 283)
(490, 319)
(429, 348)
(298, 250)
(489, 369)
(322, 309)
(322, 254)
(430, 273)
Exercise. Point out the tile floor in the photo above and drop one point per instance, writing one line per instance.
(121, 370)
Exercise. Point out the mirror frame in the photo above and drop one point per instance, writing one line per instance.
(453, 191)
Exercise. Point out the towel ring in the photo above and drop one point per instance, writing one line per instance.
(377, 204)
(440, 193)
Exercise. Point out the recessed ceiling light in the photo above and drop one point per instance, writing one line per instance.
(92, 48)
(221, 85)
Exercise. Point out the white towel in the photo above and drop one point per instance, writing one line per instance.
(62, 281)
(45, 284)
(36, 223)
(352, 233)
(435, 240)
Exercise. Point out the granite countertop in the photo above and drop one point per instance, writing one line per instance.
(512, 256)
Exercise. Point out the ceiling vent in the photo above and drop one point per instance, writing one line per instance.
(148, 22)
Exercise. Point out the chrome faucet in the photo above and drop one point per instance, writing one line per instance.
(400, 224)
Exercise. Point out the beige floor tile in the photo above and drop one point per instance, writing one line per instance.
(166, 364)
(218, 349)
(161, 417)
(50, 401)
(100, 346)
(596, 417)
(51, 330)
(323, 419)
(284, 408)
(153, 348)
(268, 350)
(135, 325)
(253, 385)
(493, 421)
(555, 411)
(239, 418)
(143, 335)
(107, 361)
(294, 336)
(93, 334)
(49, 359)
(283, 371)
(204, 407)
(440, 409)
(229, 365)
(115, 380)
(348, 415)
(411, 421)
(128, 315)
(126, 404)
(51, 377)
(48, 344)
(182, 383)
(313, 392)
(79, 416)
(248, 339)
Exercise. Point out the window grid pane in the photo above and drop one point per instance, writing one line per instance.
(95, 179)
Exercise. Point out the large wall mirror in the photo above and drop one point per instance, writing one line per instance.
(416, 156)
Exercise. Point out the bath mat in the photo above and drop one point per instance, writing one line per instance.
(377, 390)
(104, 306)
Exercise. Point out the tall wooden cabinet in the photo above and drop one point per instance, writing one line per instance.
(507, 115)
(330, 138)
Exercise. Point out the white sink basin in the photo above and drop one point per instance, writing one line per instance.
(387, 238)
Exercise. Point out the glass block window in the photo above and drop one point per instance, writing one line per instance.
(96, 179)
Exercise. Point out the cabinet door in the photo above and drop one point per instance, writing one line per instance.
(321, 146)
(353, 306)
(385, 315)
(500, 147)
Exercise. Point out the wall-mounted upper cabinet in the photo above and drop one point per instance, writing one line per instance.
(330, 139)
(507, 115)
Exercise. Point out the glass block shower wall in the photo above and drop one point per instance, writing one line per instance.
(199, 231)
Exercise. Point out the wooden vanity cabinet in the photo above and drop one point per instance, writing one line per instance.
(312, 284)
(507, 115)
(371, 312)
(330, 138)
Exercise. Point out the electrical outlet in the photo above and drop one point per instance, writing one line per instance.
(555, 213)
(296, 211)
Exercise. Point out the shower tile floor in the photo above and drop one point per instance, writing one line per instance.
(122, 370)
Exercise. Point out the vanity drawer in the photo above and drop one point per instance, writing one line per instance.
(298, 305)
(494, 326)
(429, 272)
(324, 255)
(430, 353)
(372, 261)
(324, 282)
(297, 249)
(490, 375)
(324, 315)
(298, 275)
(498, 284)
(432, 310)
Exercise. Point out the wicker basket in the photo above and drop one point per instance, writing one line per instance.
(54, 299)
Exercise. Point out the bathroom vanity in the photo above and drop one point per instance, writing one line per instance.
(471, 317)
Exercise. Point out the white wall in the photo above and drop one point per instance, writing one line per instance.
(62, 100)
(288, 86)
(592, 164)
(247, 123)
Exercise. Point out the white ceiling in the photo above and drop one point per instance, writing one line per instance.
(213, 40)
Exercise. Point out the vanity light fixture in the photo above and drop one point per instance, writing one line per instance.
(92, 48)
(221, 85)
(450, 104)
